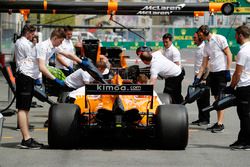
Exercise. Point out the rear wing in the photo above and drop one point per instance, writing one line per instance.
(126, 89)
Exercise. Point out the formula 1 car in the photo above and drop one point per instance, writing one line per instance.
(118, 107)
(115, 108)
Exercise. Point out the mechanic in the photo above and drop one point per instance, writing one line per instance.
(61, 62)
(48, 47)
(35, 40)
(27, 73)
(204, 100)
(173, 85)
(217, 52)
(161, 66)
(241, 80)
(79, 78)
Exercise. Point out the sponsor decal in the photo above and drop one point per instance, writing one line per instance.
(160, 10)
(118, 88)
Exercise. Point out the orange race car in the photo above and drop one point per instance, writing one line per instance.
(118, 106)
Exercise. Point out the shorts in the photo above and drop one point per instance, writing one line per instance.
(24, 91)
(217, 82)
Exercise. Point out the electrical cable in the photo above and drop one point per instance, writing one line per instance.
(12, 101)
(111, 18)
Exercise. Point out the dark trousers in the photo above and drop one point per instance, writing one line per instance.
(203, 102)
(173, 87)
(243, 110)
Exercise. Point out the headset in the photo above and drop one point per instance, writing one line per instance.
(204, 29)
(143, 49)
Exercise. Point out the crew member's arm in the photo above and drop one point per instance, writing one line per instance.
(178, 63)
(70, 56)
(177, 57)
(44, 70)
(203, 66)
(153, 80)
(154, 74)
(236, 75)
(60, 60)
(229, 57)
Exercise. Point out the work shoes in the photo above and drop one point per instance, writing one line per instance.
(218, 128)
(210, 128)
(195, 122)
(239, 146)
(30, 144)
(202, 123)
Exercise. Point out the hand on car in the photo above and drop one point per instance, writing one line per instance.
(85, 63)
(59, 82)
(71, 70)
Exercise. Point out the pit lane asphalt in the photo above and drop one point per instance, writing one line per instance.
(204, 149)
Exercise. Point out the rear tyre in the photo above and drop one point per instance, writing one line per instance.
(172, 126)
(63, 128)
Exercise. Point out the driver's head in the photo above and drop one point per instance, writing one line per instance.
(142, 49)
(142, 79)
(101, 66)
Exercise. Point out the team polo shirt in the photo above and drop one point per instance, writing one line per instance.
(214, 50)
(243, 59)
(198, 58)
(25, 57)
(163, 67)
(172, 53)
(45, 50)
(78, 79)
(67, 46)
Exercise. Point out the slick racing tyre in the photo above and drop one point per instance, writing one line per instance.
(172, 126)
(63, 127)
